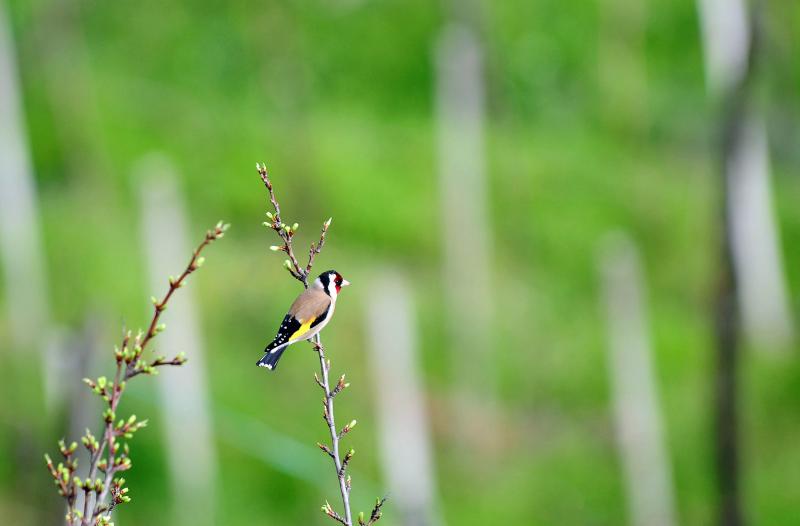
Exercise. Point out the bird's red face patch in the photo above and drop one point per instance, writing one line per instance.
(339, 281)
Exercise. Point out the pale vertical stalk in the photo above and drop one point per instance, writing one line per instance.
(325, 366)
(407, 454)
(751, 282)
(637, 412)
(21, 249)
(184, 403)
(465, 235)
(763, 293)
(727, 32)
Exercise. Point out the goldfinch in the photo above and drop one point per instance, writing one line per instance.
(309, 314)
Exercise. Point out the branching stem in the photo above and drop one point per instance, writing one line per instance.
(301, 274)
(105, 454)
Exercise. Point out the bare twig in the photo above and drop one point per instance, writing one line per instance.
(317, 248)
(341, 465)
(375, 515)
(110, 454)
(328, 510)
(283, 230)
(286, 234)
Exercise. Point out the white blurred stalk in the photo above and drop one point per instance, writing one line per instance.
(183, 390)
(637, 414)
(20, 243)
(465, 220)
(762, 288)
(725, 30)
(406, 450)
(22, 258)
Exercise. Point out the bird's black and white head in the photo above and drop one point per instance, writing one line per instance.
(331, 282)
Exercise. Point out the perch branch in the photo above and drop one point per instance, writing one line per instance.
(286, 234)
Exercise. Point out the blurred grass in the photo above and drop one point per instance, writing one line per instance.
(336, 98)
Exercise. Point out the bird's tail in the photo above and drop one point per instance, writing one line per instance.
(273, 354)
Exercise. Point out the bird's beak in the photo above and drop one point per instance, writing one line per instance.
(345, 283)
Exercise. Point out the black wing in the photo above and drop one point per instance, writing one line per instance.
(289, 326)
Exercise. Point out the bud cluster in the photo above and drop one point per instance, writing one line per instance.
(108, 454)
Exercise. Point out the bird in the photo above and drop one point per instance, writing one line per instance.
(309, 314)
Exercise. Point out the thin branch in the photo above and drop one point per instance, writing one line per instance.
(328, 510)
(109, 455)
(340, 386)
(339, 464)
(285, 231)
(317, 248)
(376, 513)
(286, 234)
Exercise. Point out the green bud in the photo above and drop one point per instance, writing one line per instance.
(269, 215)
(287, 264)
(295, 226)
(275, 248)
(200, 261)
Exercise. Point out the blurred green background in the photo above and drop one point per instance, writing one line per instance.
(585, 132)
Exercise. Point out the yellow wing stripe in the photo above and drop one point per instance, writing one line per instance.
(303, 329)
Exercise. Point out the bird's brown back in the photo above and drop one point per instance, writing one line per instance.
(311, 304)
